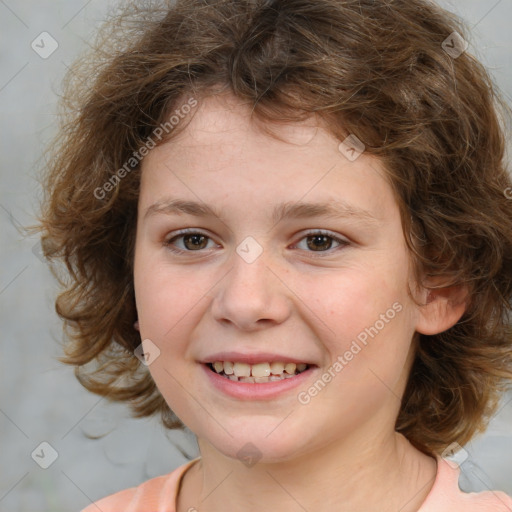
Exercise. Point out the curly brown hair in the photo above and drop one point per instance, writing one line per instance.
(378, 69)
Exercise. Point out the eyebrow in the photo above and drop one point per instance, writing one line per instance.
(335, 209)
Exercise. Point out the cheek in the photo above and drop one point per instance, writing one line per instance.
(352, 302)
(369, 322)
(167, 304)
(165, 296)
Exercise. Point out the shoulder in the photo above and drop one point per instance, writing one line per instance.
(158, 495)
(446, 495)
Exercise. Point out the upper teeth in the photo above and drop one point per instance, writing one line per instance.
(259, 369)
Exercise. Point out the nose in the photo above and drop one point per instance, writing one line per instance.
(252, 296)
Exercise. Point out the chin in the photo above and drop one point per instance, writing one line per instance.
(258, 446)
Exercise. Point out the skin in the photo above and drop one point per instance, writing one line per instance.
(340, 450)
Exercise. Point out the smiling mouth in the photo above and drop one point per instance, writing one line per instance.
(257, 373)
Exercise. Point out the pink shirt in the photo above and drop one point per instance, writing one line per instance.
(159, 495)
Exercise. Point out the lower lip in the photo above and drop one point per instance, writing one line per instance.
(256, 391)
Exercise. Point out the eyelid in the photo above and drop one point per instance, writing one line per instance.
(326, 232)
(341, 240)
(182, 232)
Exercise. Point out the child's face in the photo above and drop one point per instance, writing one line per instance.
(304, 298)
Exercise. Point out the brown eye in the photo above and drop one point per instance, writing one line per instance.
(194, 242)
(321, 242)
(191, 241)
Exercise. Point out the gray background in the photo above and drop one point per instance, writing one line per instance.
(40, 399)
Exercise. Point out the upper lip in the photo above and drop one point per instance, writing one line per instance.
(238, 357)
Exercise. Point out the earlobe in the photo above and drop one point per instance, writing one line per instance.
(442, 308)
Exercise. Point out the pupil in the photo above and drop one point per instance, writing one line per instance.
(324, 242)
(196, 241)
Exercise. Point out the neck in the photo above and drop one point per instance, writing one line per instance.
(362, 474)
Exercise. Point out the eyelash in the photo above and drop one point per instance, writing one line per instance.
(316, 254)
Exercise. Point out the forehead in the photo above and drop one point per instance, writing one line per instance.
(225, 120)
(224, 148)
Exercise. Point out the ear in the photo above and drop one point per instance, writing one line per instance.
(442, 308)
